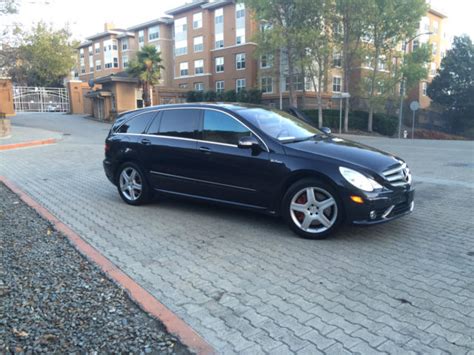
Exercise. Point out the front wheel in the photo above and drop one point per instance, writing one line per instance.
(312, 209)
(132, 185)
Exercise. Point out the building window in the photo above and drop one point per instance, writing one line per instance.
(239, 85)
(141, 38)
(199, 66)
(298, 82)
(266, 85)
(124, 44)
(219, 64)
(337, 60)
(183, 69)
(114, 45)
(153, 33)
(433, 69)
(116, 64)
(197, 20)
(266, 61)
(219, 40)
(198, 44)
(434, 48)
(435, 26)
(336, 84)
(83, 69)
(219, 16)
(97, 48)
(181, 36)
(240, 61)
(240, 23)
(199, 86)
(416, 44)
(219, 28)
(382, 63)
(98, 65)
(367, 62)
(125, 61)
(220, 86)
(183, 86)
(81, 53)
(424, 88)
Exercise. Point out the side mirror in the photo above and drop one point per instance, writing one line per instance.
(326, 130)
(248, 142)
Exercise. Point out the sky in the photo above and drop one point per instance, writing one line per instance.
(87, 17)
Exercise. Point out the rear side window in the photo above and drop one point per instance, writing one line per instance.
(179, 123)
(137, 124)
(221, 128)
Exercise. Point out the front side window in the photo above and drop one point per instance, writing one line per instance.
(221, 128)
(137, 124)
(179, 123)
(278, 124)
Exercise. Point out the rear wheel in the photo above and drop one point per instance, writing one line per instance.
(312, 209)
(132, 185)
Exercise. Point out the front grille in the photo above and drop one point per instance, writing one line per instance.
(399, 176)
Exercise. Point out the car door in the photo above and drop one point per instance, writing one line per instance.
(227, 172)
(170, 150)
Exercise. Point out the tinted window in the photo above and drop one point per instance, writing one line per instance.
(179, 123)
(155, 126)
(221, 128)
(137, 124)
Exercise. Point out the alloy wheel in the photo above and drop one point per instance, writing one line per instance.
(313, 210)
(131, 184)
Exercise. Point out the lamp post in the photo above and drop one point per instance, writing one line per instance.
(402, 85)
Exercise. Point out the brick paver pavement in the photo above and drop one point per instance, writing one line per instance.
(249, 285)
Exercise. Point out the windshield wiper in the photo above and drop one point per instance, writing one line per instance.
(285, 140)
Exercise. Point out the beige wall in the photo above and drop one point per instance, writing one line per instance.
(6, 97)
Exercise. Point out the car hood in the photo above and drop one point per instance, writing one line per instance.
(348, 151)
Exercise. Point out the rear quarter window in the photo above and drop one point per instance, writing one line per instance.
(137, 124)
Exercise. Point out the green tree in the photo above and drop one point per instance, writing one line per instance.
(348, 29)
(415, 66)
(281, 20)
(453, 86)
(146, 67)
(388, 23)
(318, 46)
(45, 57)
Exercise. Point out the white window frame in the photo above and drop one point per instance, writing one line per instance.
(240, 87)
(336, 81)
(218, 84)
(268, 61)
(98, 65)
(240, 61)
(198, 44)
(219, 64)
(424, 88)
(183, 69)
(197, 20)
(199, 63)
(268, 83)
(156, 31)
(199, 86)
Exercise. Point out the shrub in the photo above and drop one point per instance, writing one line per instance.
(191, 96)
(230, 96)
(210, 96)
(255, 96)
(385, 124)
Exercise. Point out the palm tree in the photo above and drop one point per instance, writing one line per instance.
(146, 68)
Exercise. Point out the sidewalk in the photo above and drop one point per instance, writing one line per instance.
(26, 137)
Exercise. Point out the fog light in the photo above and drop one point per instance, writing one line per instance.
(373, 215)
(357, 199)
(412, 206)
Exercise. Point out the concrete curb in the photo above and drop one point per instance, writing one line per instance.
(143, 298)
(28, 144)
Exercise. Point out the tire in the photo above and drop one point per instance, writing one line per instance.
(136, 191)
(312, 218)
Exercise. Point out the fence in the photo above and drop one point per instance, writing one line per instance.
(40, 99)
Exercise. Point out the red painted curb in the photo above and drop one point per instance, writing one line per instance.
(145, 300)
(28, 144)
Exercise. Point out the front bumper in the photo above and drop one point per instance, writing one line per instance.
(381, 207)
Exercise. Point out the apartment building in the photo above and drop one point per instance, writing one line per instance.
(110, 52)
(212, 47)
(432, 30)
(207, 45)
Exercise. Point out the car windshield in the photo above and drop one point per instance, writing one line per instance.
(279, 124)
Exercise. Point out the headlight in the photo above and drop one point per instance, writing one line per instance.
(358, 180)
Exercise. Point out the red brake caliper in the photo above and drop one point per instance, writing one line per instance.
(302, 199)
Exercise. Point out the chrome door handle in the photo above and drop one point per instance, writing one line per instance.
(205, 150)
(145, 141)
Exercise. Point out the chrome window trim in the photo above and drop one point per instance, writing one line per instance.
(179, 138)
(199, 140)
(199, 180)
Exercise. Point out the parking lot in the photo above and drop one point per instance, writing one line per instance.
(249, 285)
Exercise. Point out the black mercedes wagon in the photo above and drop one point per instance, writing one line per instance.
(256, 158)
